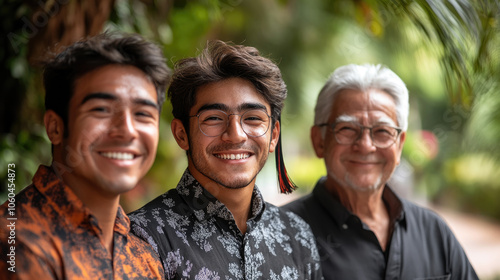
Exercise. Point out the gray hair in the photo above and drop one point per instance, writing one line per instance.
(363, 78)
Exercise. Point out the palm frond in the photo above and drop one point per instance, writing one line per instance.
(456, 26)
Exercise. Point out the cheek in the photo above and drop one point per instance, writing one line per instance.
(199, 143)
(151, 134)
(89, 130)
(332, 158)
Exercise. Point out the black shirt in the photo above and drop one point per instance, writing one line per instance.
(196, 237)
(421, 246)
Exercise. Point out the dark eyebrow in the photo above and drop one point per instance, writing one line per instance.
(225, 108)
(109, 96)
(250, 106)
(146, 102)
(98, 95)
(213, 106)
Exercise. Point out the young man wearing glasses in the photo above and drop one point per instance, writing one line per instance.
(215, 224)
(363, 229)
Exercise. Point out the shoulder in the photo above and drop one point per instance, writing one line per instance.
(29, 216)
(291, 220)
(301, 204)
(419, 213)
(305, 206)
(141, 247)
(28, 236)
(425, 220)
(167, 202)
(287, 222)
(24, 204)
(293, 230)
(150, 221)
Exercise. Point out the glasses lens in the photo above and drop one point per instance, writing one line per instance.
(346, 133)
(212, 122)
(255, 122)
(384, 136)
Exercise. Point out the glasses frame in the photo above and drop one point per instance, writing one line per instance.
(227, 123)
(362, 127)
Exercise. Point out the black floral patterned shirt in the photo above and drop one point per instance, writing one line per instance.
(197, 237)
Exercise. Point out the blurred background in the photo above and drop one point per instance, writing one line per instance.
(445, 50)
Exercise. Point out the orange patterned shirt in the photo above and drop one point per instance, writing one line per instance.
(50, 234)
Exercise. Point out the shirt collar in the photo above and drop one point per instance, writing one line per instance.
(122, 222)
(64, 201)
(203, 204)
(341, 214)
(395, 207)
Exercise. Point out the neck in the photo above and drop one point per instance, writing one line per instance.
(239, 204)
(366, 205)
(104, 208)
(238, 201)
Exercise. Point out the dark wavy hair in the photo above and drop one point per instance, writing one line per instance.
(219, 61)
(61, 72)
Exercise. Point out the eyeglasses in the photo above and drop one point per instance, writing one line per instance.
(213, 123)
(346, 133)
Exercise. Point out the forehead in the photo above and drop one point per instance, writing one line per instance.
(366, 107)
(231, 92)
(121, 81)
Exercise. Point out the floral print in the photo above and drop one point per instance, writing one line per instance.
(196, 237)
(58, 238)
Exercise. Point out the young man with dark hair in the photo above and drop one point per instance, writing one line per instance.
(103, 100)
(215, 225)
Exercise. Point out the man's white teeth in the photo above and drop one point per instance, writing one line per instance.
(233, 156)
(119, 156)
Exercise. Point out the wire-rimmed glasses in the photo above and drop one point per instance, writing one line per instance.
(213, 122)
(346, 133)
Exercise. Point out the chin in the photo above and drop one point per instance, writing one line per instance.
(363, 187)
(235, 183)
(118, 187)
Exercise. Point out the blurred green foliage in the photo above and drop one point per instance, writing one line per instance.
(445, 51)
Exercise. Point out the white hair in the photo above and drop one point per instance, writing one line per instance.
(363, 78)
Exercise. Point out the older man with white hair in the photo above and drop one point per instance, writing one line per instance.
(363, 229)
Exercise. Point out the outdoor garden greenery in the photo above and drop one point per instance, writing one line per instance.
(446, 51)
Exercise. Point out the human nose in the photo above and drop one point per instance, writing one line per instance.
(234, 131)
(365, 140)
(123, 125)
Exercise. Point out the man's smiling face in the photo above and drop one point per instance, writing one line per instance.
(360, 166)
(112, 134)
(232, 159)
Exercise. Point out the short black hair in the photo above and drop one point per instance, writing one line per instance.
(219, 61)
(62, 71)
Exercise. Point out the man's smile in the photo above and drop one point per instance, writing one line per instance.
(118, 155)
(233, 156)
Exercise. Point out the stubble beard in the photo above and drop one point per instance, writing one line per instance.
(235, 183)
(348, 183)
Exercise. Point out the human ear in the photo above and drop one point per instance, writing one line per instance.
(179, 133)
(54, 127)
(317, 141)
(275, 135)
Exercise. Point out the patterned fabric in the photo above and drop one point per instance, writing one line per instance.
(197, 238)
(56, 237)
(422, 246)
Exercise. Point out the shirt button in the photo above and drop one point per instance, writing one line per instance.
(344, 226)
